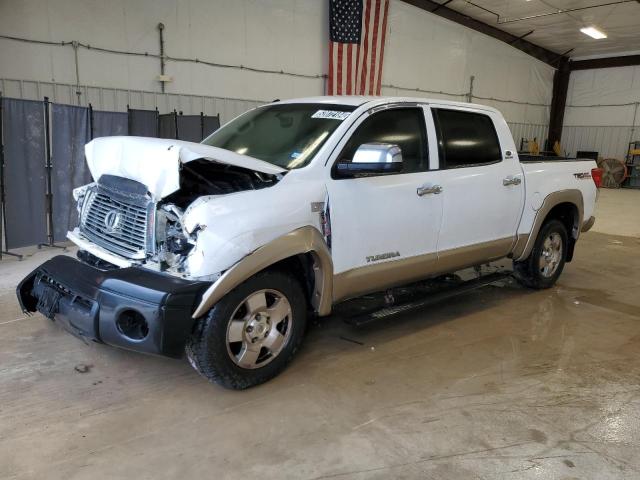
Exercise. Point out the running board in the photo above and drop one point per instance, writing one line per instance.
(426, 299)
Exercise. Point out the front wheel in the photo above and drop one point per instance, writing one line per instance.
(546, 261)
(252, 333)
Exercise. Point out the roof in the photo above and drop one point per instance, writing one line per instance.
(555, 25)
(358, 100)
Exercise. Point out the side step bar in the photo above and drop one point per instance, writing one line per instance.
(425, 299)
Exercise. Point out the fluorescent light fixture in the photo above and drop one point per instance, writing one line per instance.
(593, 32)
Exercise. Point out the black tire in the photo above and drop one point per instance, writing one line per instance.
(211, 355)
(529, 271)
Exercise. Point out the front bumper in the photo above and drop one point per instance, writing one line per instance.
(131, 308)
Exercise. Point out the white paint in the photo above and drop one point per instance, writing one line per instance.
(369, 216)
(422, 51)
(382, 214)
(155, 162)
(549, 177)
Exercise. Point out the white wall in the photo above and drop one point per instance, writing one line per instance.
(276, 34)
(423, 51)
(427, 51)
(601, 106)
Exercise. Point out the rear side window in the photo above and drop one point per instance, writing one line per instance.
(466, 138)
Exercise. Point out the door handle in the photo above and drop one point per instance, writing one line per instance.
(511, 181)
(427, 190)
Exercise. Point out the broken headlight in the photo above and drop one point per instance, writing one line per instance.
(82, 195)
(174, 244)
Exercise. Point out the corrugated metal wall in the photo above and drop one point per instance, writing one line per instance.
(529, 131)
(116, 100)
(608, 141)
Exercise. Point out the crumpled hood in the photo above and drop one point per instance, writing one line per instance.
(155, 162)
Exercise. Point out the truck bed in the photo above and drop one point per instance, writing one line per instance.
(528, 158)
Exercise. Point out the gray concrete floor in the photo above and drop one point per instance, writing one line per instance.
(501, 383)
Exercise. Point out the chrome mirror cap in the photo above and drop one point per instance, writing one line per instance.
(378, 153)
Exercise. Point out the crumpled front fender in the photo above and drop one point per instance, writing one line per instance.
(300, 241)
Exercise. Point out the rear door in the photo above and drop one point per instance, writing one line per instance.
(482, 184)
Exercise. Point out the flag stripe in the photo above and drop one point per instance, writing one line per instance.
(363, 77)
(330, 76)
(374, 47)
(339, 80)
(349, 68)
(382, 41)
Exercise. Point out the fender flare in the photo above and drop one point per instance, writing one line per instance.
(300, 241)
(524, 244)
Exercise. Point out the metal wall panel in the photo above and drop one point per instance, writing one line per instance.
(116, 100)
(529, 131)
(112, 99)
(608, 141)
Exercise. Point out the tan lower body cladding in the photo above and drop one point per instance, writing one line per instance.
(372, 278)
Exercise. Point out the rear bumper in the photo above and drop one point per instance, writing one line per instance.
(130, 308)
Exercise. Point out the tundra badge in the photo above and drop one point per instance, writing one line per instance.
(382, 256)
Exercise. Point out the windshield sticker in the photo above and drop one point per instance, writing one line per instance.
(331, 114)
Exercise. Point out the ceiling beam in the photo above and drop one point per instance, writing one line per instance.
(558, 103)
(607, 62)
(542, 54)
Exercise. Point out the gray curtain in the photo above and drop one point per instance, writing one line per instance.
(190, 128)
(210, 125)
(143, 123)
(69, 133)
(107, 124)
(167, 125)
(23, 131)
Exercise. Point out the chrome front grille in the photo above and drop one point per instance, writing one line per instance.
(118, 223)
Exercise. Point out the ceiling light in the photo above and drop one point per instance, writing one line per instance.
(593, 32)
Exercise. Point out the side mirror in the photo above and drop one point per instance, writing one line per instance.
(372, 159)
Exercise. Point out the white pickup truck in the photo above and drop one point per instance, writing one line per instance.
(225, 248)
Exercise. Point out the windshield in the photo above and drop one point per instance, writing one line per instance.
(287, 135)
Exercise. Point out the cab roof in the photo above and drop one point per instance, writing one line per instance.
(360, 100)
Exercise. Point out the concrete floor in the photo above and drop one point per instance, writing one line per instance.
(502, 383)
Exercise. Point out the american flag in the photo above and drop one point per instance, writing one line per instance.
(357, 32)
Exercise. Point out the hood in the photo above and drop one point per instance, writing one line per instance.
(155, 162)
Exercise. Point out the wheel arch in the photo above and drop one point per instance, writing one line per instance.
(566, 206)
(305, 246)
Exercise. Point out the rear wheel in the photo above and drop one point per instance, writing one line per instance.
(250, 335)
(546, 261)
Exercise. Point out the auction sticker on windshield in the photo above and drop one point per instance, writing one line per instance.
(332, 114)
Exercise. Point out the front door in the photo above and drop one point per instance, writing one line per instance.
(384, 228)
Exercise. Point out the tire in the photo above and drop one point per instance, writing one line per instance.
(547, 258)
(251, 334)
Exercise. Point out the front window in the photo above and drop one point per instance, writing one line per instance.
(287, 135)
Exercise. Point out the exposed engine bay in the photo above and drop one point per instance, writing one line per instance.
(203, 177)
(119, 215)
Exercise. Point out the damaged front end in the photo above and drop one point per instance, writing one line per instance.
(144, 245)
(122, 225)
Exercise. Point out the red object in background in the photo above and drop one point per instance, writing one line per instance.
(596, 174)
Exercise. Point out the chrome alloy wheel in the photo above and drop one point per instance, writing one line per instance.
(259, 329)
(551, 255)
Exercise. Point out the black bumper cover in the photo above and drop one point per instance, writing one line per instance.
(90, 303)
